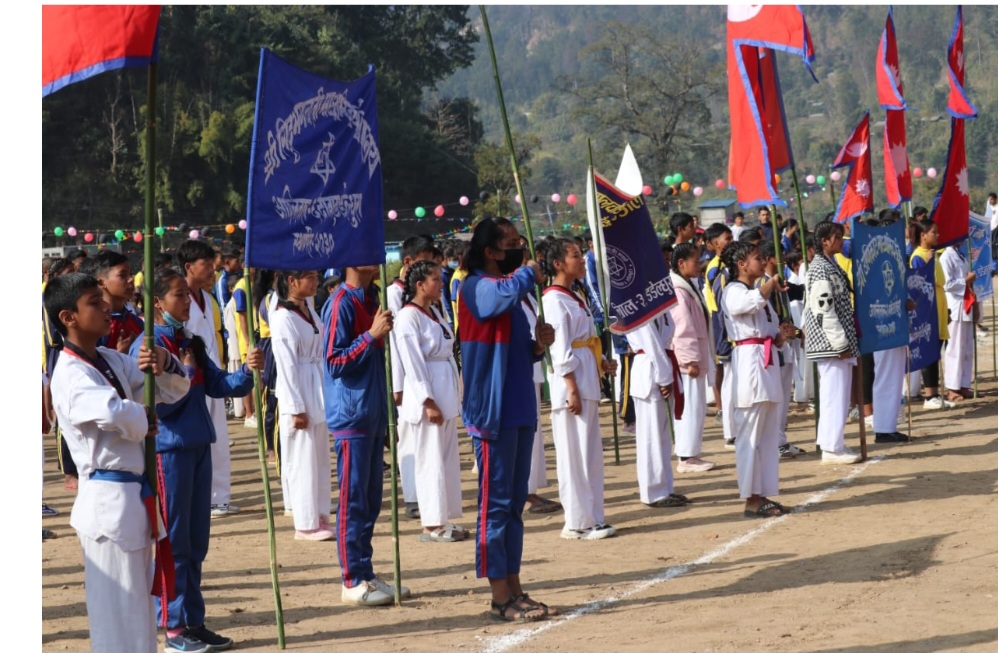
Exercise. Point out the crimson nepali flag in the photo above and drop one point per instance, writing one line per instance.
(890, 92)
(857, 193)
(759, 144)
(951, 208)
(80, 41)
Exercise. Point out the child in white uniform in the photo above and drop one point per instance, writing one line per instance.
(754, 328)
(575, 397)
(296, 340)
(959, 357)
(431, 402)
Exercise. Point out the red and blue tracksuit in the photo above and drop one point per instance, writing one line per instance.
(499, 410)
(123, 323)
(183, 447)
(355, 393)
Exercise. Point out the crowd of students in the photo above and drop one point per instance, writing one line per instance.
(468, 339)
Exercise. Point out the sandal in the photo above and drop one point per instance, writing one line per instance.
(783, 509)
(544, 506)
(412, 510)
(548, 612)
(671, 501)
(766, 510)
(507, 612)
(955, 397)
(442, 534)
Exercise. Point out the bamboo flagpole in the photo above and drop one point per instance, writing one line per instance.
(261, 447)
(148, 267)
(392, 449)
(803, 251)
(973, 330)
(601, 282)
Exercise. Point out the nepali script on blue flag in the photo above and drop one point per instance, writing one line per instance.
(980, 256)
(879, 272)
(640, 287)
(923, 322)
(315, 196)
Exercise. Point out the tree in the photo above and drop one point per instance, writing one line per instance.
(495, 175)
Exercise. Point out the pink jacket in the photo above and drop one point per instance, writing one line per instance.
(692, 342)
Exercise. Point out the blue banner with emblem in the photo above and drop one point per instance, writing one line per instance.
(640, 287)
(879, 272)
(980, 256)
(315, 191)
(923, 321)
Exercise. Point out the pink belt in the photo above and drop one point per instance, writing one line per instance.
(767, 342)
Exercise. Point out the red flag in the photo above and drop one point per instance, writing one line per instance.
(897, 173)
(857, 193)
(959, 105)
(890, 91)
(759, 142)
(81, 41)
(951, 209)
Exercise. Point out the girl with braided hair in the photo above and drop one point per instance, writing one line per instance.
(431, 402)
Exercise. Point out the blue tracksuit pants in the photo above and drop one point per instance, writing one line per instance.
(503, 468)
(185, 494)
(359, 471)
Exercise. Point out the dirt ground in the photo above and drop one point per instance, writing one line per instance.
(897, 554)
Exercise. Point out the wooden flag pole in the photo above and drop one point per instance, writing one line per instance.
(604, 299)
(392, 449)
(261, 447)
(148, 267)
(970, 263)
(857, 393)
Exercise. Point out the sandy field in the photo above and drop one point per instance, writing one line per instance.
(899, 553)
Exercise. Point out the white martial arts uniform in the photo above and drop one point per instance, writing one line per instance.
(755, 411)
(425, 344)
(202, 323)
(406, 451)
(296, 340)
(693, 342)
(959, 357)
(232, 344)
(652, 369)
(803, 370)
(104, 431)
(538, 466)
(888, 387)
(577, 440)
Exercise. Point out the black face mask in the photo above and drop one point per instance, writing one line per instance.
(513, 260)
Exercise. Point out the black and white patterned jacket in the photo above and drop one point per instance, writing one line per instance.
(829, 320)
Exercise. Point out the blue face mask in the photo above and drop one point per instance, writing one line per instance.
(452, 265)
(172, 321)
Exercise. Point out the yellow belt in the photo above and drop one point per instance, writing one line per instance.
(594, 345)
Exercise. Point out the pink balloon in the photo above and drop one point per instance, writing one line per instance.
(719, 184)
(809, 179)
(88, 238)
(931, 173)
(195, 234)
(646, 190)
(556, 198)
(836, 175)
(242, 225)
(71, 231)
(917, 172)
(138, 236)
(393, 214)
(439, 211)
(697, 191)
(464, 200)
(572, 199)
(517, 198)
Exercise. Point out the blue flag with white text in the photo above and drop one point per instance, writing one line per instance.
(879, 271)
(640, 287)
(980, 256)
(923, 333)
(315, 189)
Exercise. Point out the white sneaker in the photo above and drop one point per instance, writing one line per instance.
(936, 403)
(223, 509)
(390, 589)
(846, 457)
(795, 450)
(250, 422)
(598, 532)
(695, 464)
(318, 535)
(365, 593)
(869, 421)
(729, 445)
(948, 404)
(853, 414)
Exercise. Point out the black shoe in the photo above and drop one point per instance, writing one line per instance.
(214, 640)
(883, 438)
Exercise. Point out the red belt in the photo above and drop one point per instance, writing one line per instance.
(767, 342)
(677, 383)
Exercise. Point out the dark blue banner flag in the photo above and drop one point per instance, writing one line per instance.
(878, 270)
(315, 172)
(924, 322)
(980, 256)
(640, 287)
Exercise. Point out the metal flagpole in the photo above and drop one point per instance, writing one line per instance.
(392, 449)
(261, 447)
(605, 300)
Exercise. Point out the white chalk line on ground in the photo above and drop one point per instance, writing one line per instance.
(503, 643)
